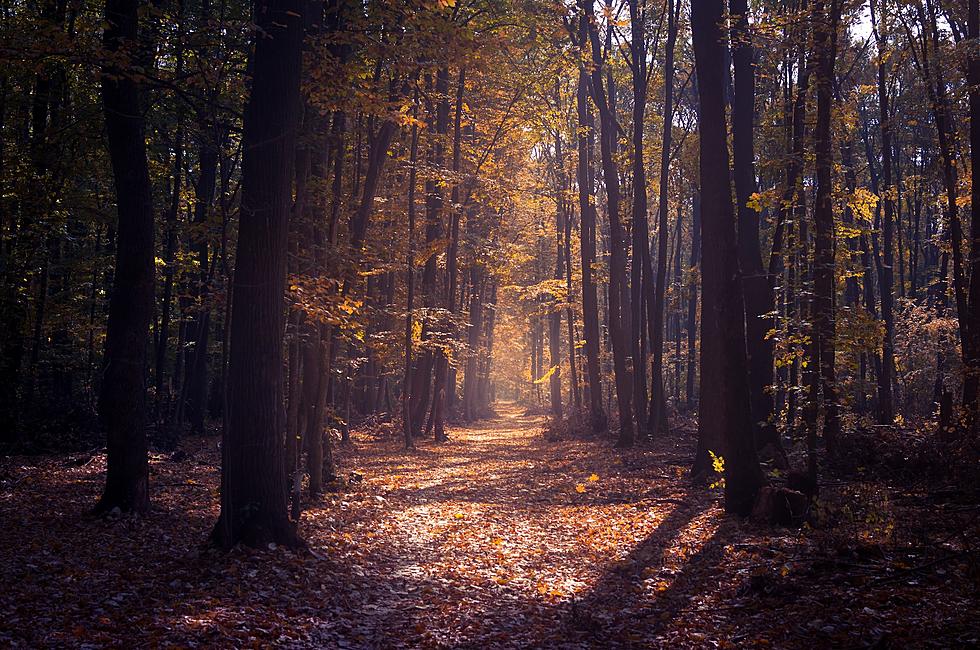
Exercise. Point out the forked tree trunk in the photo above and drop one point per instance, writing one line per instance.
(618, 296)
(724, 370)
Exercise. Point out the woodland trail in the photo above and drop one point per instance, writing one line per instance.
(503, 538)
(497, 539)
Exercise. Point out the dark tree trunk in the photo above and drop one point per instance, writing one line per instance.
(641, 271)
(724, 369)
(590, 299)
(618, 307)
(932, 73)
(692, 297)
(658, 400)
(199, 325)
(122, 400)
(253, 492)
(824, 284)
(972, 360)
(759, 299)
(410, 282)
(886, 409)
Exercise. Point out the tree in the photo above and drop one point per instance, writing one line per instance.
(723, 361)
(587, 212)
(658, 400)
(971, 386)
(122, 400)
(602, 94)
(759, 300)
(824, 284)
(253, 487)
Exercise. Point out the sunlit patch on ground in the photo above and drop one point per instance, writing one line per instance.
(495, 539)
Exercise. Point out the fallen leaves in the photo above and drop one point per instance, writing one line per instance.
(477, 542)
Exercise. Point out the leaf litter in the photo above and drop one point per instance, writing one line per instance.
(498, 538)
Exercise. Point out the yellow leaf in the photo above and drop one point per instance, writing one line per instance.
(458, 515)
(580, 488)
(593, 478)
(546, 375)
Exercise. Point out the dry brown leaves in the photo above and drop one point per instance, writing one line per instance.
(495, 539)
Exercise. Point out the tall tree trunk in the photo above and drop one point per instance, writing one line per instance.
(759, 298)
(474, 336)
(452, 254)
(603, 95)
(972, 379)
(692, 297)
(253, 492)
(886, 414)
(824, 284)
(590, 299)
(658, 400)
(199, 325)
(724, 367)
(122, 400)
(641, 270)
(410, 282)
(554, 307)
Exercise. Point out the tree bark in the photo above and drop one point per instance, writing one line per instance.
(658, 400)
(590, 299)
(123, 395)
(253, 492)
(886, 409)
(824, 285)
(724, 368)
(759, 298)
(603, 97)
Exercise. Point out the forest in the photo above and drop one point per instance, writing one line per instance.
(489, 323)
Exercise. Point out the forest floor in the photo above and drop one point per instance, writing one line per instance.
(498, 538)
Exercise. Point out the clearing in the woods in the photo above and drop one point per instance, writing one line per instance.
(498, 538)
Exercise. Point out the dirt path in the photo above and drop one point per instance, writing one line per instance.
(503, 537)
(497, 539)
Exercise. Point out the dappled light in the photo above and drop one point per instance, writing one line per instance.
(489, 324)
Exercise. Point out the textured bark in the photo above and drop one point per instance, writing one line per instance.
(886, 409)
(824, 286)
(604, 98)
(122, 400)
(658, 400)
(641, 270)
(590, 298)
(253, 492)
(759, 299)
(723, 362)
(972, 351)
(692, 298)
